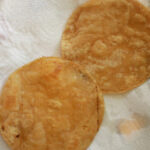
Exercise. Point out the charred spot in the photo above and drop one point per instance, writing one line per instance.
(85, 127)
(17, 136)
(84, 76)
(3, 128)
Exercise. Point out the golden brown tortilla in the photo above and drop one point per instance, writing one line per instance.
(111, 40)
(50, 104)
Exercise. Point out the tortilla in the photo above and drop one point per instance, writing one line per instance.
(50, 104)
(111, 40)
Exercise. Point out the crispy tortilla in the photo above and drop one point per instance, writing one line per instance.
(50, 104)
(111, 40)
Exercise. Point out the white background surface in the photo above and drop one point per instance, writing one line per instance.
(32, 28)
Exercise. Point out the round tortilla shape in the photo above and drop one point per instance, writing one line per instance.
(50, 104)
(111, 40)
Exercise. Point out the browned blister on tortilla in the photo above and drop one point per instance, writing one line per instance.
(111, 40)
(50, 104)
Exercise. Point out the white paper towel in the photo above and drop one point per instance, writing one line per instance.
(32, 28)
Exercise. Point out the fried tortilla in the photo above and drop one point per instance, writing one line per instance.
(50, 104)
(111, 40)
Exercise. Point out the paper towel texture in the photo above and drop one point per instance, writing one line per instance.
(31, 29)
